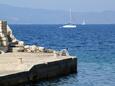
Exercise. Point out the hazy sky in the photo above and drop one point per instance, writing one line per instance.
(75, 5)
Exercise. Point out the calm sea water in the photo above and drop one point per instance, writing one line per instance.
(94, 46)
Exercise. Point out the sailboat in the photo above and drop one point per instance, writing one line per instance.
(69, 25)
(84, 23)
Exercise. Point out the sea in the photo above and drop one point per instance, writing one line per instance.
(93, 45)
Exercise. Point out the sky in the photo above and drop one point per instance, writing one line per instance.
(75, 5)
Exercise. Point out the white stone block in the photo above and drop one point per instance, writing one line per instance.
(41, 48)
(5, 43)
(26, 46)
(4, 38)
(33, 48)
(2, 35)
(14, 40)
(21, 43)
(0, 30)
(2, 52)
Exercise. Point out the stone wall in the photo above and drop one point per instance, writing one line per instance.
(3, 36)
(8, 43)
(7, 39)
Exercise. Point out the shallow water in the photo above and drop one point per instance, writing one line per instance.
(94, 46)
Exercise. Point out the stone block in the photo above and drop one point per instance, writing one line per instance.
(4, 49)
(16, 49)
(2, 35)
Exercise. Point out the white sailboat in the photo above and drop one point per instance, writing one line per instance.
(69, 25)
(84, 23)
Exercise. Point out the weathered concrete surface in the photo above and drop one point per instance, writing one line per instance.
(17, 68)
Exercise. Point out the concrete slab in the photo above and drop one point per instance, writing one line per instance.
(16, 62)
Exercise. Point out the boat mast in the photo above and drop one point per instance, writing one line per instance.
(70, 16)
(83, 22)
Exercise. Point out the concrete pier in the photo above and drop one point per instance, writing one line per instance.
(21, 63)
(20, 67)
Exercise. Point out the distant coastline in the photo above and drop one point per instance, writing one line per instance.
(45, 16)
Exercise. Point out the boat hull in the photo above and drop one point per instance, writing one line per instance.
(69, 26)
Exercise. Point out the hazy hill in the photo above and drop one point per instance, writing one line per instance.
(18, 15)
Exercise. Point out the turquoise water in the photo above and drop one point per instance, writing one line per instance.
(94, 46)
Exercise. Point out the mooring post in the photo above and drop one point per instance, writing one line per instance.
(20, 60)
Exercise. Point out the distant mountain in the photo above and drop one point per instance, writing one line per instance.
(19, 15)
